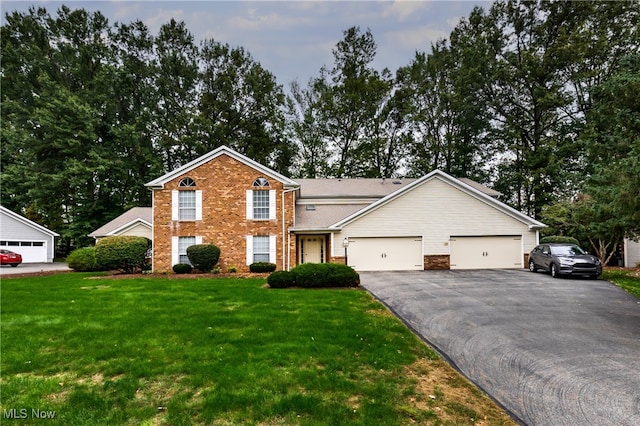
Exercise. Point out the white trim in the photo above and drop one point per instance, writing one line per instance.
(272, 204)
(249, 240)
(199, 204)
(130, 225)
(198, 239)
(175, 254)
(162, 180)
(438, 174)
(175, 205)
(28, 222)
(249, 204)
(272, 248)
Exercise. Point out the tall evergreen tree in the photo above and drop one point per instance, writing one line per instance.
(242, 106)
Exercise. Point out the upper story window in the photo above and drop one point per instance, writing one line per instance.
(261, 182)
(261, 201)
(187, 205)
(187, 182)
(261, 204)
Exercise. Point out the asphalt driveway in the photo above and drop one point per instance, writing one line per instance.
(551, 351)
(33, 268)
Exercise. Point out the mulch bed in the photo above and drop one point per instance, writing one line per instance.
(119, 275)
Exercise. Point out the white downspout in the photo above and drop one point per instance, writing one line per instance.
(287, 262)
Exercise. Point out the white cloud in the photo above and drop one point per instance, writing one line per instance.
(403, 9)
(414, 38)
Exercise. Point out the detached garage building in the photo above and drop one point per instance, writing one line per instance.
(34, 242)
(435, 222)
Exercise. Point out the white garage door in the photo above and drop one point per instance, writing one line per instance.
(486, 252)
(31, 251)
(385, 254)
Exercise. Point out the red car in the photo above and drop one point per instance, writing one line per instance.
(7, 257)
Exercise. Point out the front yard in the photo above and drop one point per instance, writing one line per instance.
(628, 279)
(91, 350)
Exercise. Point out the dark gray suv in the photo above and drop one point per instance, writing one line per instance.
(564, 259)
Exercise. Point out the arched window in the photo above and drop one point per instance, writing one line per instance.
(187, 182)
(261, 182)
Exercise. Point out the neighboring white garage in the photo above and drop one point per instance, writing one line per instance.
(631, 253)
(34, 242)
(385, 254)
(486, 252)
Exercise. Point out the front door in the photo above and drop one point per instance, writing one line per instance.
(312, 249)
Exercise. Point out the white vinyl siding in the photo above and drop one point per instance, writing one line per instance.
(261, 248)
(22, 238)
(631, 253)
(261, 204)
(436, 210)
(186, 205)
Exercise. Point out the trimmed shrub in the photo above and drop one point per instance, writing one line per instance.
(262, 267)
(559, 239)
(203, 257)
(281, 279)
(83, 259)
(182, 268)
(125, 253)
(314, 275)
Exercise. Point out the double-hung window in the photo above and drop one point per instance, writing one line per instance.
(187, 205)
(179, 246)
(261, 201)
(260, 204)
(261, 248)
(183, 244)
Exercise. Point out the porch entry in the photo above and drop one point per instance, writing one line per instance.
(312, 248)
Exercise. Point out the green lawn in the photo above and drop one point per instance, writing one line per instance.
(217, 351)
(628, 279)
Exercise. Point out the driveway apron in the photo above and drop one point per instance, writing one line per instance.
(550, 351)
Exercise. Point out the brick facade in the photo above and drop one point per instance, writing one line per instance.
(223, 182)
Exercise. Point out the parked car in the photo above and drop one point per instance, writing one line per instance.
(564, 259)
(7, 257)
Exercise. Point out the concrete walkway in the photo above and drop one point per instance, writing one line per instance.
(551, 351)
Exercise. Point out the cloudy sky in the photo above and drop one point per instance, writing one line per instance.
(292, 39)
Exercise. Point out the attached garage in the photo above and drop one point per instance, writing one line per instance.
(460, 227)
(486, 252)
(385, 254)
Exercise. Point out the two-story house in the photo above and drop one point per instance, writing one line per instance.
(255, 214)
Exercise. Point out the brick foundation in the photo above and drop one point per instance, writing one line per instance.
(436, 262)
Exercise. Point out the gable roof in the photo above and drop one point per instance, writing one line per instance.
(132, 217)
(28, 222)
(456, 183)
(222, 150)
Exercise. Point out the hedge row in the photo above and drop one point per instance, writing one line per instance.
(124, 253)
(315, 275)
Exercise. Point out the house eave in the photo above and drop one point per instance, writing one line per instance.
(456, 183)
(162, 180)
